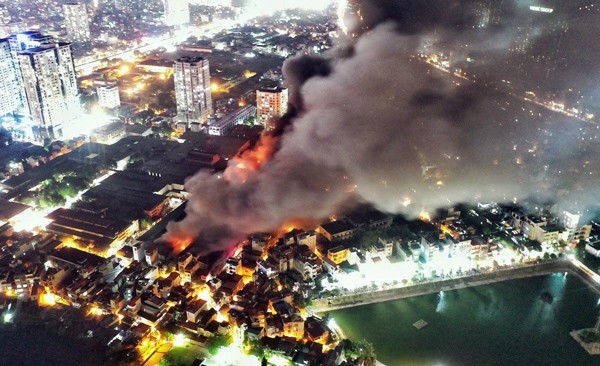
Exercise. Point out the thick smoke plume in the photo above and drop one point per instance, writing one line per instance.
(377, 127)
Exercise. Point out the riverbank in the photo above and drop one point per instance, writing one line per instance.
(503, 274)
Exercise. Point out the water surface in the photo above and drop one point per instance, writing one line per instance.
(505, 323)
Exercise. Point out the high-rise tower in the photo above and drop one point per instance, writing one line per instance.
(192, 89)
(177, 12)
(77, 22)
(271, 103)
(50, 86)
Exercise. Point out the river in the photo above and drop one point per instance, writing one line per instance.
(505, 323)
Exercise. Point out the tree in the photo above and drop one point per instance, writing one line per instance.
(263, 362)
(217, 342)
(174, 359)
(367, 352)
(362, 350)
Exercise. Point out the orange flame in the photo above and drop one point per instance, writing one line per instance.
(424, 216)
(242, 167)
(180, 243)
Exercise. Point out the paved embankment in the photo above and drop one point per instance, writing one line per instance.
(368, 297)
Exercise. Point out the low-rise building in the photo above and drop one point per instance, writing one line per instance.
(221, 126)
(194, 309)
(338, 230)
(338, 254)
(108, 96)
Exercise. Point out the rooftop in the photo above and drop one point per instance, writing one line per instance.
(8, 209)
(336, 227)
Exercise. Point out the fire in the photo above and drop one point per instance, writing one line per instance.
(295, 223)
(424, 216)
(446, 230)
(180, 243)
(241, 168)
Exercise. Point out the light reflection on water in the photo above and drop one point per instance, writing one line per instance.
(441, 302)
(476, 326)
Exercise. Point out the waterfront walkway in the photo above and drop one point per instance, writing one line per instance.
(352, 299)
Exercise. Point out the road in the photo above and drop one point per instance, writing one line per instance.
(158, 354)
(352, 299)
(207, 30)
(545, 104)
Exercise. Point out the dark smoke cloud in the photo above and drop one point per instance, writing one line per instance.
(380, 127)
(298, 70)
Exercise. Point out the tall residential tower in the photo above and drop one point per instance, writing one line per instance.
(37, 81)
(77, 22)
(192, 89)
(50, 87)
(177, 12)
(271, 103)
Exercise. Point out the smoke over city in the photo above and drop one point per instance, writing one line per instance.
(378, 126)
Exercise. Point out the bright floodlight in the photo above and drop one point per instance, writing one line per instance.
(8, 317)
(179, 340)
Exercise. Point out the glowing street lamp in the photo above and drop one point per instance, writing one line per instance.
(179, 340)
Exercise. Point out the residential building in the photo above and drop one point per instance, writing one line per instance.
(77, 22)
(338, 230)
(5, 20)
(10, 86)
(308, 238)
(430, 249)
(220, 126)
(458, 247)
(51, 92)
(192, 89)
(271, 103)
(570, 221)
(480, 247)
(108, 96)
(194, 309)
(307, 263)
(383, 248)
(338, 254)
(12, 92)
(176, 12)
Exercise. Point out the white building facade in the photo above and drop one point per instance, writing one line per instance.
(77, 22)
(192, 90)
(10, 97)
(50, 85)
(108, 96)
(177, 12)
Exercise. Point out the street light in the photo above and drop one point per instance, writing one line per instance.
(179, 340)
